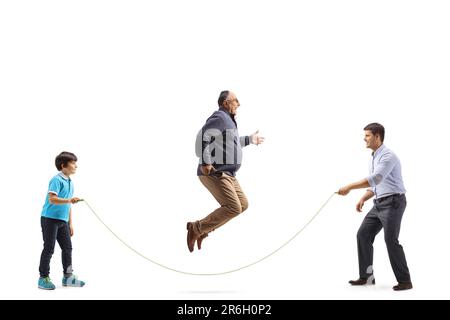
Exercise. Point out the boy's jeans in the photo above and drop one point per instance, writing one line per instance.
(55, 230)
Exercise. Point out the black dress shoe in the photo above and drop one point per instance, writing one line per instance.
(403, 286)
(362, 282)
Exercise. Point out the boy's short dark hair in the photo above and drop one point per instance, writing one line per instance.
(376, 128)
(222, 97)
(63, 159)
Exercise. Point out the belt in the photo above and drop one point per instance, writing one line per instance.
(392, 196)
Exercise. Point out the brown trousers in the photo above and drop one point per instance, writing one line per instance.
(228, 193)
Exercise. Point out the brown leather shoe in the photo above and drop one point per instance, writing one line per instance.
(191, 236)
(200, 239)
(361, 282)
(403, 286)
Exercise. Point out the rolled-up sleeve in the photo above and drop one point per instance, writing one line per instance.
(382, 169)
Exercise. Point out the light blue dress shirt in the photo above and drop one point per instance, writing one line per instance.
(385, 172)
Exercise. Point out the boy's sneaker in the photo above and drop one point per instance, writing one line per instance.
(72, 281)
(46, 284)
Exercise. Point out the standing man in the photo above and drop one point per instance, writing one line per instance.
(219, 149)
(386, 184)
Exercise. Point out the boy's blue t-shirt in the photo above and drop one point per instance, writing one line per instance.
(62, 186)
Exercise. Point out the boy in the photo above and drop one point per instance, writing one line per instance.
(56, 222)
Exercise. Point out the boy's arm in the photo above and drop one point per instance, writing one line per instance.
(53, 198)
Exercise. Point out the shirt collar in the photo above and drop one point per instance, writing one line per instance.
(379, 150)
(64, 176)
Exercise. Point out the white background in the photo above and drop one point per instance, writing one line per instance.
(126, 85)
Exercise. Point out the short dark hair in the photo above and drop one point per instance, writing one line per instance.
(63, 159)
(376, 128)
(223, 96)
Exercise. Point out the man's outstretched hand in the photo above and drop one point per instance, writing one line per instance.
(344, 191)
(256, 138)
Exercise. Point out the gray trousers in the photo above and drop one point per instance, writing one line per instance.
(386, 214)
